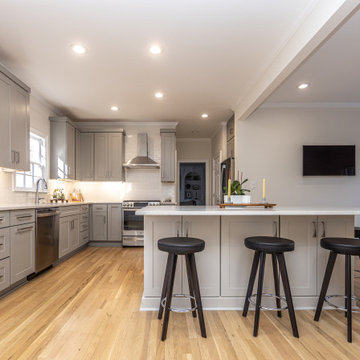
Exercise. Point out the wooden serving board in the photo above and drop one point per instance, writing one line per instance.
(265, 205)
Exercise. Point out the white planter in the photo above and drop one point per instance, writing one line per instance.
(240, 199)
(227, 200)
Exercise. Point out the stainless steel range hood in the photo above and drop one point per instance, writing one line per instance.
(142, 160)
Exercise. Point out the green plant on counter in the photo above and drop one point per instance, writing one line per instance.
(237, 187)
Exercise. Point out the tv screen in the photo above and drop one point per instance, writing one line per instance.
(325, 160)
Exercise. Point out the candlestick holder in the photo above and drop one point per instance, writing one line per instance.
(263, 200)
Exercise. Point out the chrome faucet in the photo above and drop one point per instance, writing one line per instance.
(45, 186)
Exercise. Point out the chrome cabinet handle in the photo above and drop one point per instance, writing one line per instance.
(19, 217)
(315, 230)
(275, 229)
(17, 157)
(28, 228)
(324, 229)
(13, 157)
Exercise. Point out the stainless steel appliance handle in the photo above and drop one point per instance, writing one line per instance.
(47, 214)
(28, 228)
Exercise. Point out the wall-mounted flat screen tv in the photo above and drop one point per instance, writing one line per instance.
(328, 160)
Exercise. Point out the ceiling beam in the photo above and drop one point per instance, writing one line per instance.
(325, 18)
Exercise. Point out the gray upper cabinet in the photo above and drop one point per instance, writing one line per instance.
(77, 155)
(86, 156)
(109, 154)
(168, 144)
(14, 125)
(62, 148)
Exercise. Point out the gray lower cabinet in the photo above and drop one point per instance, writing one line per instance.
(69, 237)
(99, 222)
(4, 273)
(4, 258)
(168, 145)
(114, 222)
(22, 251)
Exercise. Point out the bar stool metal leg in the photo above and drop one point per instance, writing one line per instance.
(348, 296)
(259, 292)
(325, 284)
(163, 292)
(277, 285)
(250, 288)
(286, 285)
(169, 291)
(190, 282)
(197, 294)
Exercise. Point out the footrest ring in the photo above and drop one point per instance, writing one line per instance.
(180, 310)
(340, 307)
(281, 298)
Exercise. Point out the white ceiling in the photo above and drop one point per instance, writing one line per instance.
(214, 51)
(332, 72)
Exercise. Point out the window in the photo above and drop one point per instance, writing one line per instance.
(26, 180)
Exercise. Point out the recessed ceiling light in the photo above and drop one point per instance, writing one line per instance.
(204, 116)
(114, 108)
(155, 50)
(159, 95)
(303, 86)
(79, 49)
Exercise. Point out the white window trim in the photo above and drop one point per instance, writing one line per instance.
(33, 190)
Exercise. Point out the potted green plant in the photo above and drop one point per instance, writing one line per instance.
(238, 192)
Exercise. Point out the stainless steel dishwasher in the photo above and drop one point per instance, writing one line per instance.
(47, 238)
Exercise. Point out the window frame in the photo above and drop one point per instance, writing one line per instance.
(45, 167)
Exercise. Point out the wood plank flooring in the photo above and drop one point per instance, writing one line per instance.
(87, 308)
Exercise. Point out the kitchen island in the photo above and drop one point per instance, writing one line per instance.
(224, 265)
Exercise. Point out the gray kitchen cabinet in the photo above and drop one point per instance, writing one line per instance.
(22, 251)
(99, 222)
(14, 125)
(168, 144)
(69, 236)
(86, 156)
(62, 148)
(230, 150)
(114, 222)
(77, 154)
(4, 273)
(4, 243)
(109, 156)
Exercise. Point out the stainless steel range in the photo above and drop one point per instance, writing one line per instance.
(133, 229)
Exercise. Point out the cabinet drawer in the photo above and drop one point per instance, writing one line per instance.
(4, 243)
(84, 237)
(19, 217)
(84, 218)
(99, 207)
(69, 211)
(4, 274)
(4, 219)
(84, 208)
(84, 227)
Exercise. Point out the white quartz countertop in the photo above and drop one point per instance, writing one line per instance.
(216, 211)
(39, 206)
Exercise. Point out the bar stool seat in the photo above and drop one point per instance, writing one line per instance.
(181, 245)
(276, 247)
(342, 245)
(186, 246)
(269, 244)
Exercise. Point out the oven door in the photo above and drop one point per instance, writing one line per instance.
(133, 233)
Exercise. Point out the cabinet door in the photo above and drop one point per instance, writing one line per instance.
(87, 156)
(236, 259)
(208, 229)
(157, 227)
(77, 154)
(20, 130)
(64, 236)
(22, 249)
(74, 232)
(115, 156)
(5, 146)
(101, 156)
(168, 141)
(230, 148)
(99, 224)
(114, 222)
(70, 149)
(4, 243)
(4, 273)
(333, 226)
(301, 263)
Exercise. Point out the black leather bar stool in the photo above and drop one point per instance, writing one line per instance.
(347, 247)
(276, 247)
(181, 246)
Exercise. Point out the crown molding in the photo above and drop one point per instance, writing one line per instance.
(312, 105)
(120, 125)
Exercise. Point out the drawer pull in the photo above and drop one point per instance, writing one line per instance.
(324, 229)
(315, 232)
(24, 217)
(1, 219)
(28, 228)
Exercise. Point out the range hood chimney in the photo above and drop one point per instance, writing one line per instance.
(142, 160)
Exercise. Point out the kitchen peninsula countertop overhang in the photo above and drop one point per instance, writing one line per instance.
(216, 211)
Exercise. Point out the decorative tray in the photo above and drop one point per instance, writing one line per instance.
(231, 205)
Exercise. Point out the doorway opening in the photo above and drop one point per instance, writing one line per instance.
(192, 183)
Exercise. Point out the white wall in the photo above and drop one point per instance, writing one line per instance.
(269, 145)
(218, 142)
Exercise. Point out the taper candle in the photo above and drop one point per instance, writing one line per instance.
(229, 188)
(264, 189)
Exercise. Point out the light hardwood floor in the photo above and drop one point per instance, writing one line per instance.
(88, 308)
